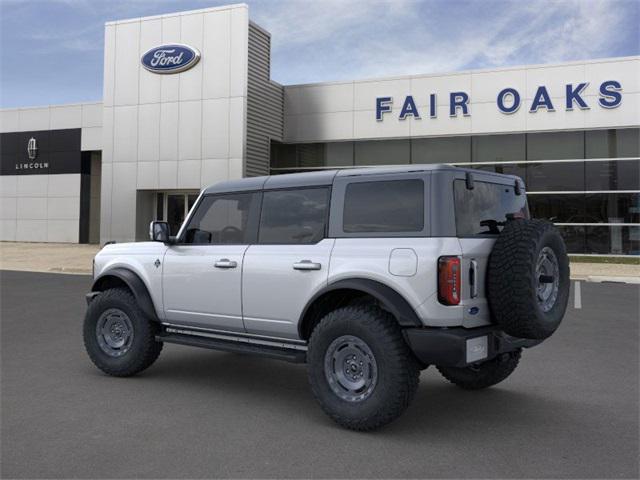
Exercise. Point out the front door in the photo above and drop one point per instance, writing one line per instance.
(202, 275)
(290, 262)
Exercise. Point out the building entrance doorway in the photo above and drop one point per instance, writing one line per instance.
(173, 207)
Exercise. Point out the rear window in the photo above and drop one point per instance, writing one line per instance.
(384, 206)
(483, 210)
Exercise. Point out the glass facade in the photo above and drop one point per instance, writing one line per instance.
(587, 182)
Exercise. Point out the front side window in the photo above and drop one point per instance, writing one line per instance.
(485, 209)
(384, 206)
(222, 219)
(294, 216)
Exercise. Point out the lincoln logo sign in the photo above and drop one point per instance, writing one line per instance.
(172, 58)
(508, 101)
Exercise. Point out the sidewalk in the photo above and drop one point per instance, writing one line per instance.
(72, 258)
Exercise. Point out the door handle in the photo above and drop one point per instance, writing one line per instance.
(473, 278)
(306, 265)
(225, 263)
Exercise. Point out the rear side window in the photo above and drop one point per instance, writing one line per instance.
(384, 206)
(294, 216)
(483, 210)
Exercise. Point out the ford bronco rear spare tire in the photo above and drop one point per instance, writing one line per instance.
(528, 279)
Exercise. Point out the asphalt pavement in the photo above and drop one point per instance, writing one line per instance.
(570, 410)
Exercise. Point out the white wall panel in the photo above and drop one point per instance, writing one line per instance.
(365, 93)
(626, 72)
(31, 230)
(190, 130)
(32, 208)
(9, 120)
(32, 185)
(34, 119)
(215, 128)
(91, 138)
(485, 86)
(123, 201)
(147, 175)
(65, 116)
(336, 97)
(422, 86)
(8, 208)
(192, 35)
(239, 52)
(554, 78)
(125, 134)
(8, 185)
(149, 83)
(149, 132)
(170, 84)
(169, 131)
(213, 171)
(237, 126)
(63, 208)
(91, 115)
(127, 63)
(189, 174)
(63, 185)
(168, 174)
(64, 231)
(8, 230)
(215, 63)
(109, 68)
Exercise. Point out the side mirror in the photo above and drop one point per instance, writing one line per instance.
(159, 232)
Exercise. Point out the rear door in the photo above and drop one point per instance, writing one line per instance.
(480, 216)
(289, 263)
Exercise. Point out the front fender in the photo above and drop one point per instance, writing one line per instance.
(135, 284)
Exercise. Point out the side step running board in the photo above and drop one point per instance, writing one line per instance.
(289, 355)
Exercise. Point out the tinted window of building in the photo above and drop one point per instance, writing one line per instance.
(559, 208)
(612, 208)
(283, 155)
(517, 169)
(612, 143)
(561, 176)
(339, 154)
(382, 152)
(484, 209)
(499, 148)
(441, 150)
(294, 216)
(613, 175)
(555, 145)
(574, 238)
(613, 240)
(222, 219)
(384, 206)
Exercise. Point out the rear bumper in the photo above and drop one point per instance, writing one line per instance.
(460, 347)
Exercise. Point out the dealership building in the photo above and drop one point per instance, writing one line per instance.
(188, 101)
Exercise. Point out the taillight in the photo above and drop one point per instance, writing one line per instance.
(449, 280)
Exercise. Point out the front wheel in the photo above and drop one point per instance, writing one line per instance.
(476, 377)
(119, 338)
(361, 371)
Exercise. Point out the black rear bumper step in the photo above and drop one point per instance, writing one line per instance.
(286, 354)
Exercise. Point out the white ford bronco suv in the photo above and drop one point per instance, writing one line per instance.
(367, 275)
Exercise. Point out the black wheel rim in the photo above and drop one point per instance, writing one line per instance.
(547, 279)
(350, 368)
(114, 332)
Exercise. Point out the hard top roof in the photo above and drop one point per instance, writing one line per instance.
(326, 177)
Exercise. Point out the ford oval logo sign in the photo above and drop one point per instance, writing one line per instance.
(173, 58)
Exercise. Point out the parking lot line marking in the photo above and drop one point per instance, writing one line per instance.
(577, 296)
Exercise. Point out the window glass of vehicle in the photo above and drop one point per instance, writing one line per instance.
(384, 206)
(222, 219)
(485, 209)
(294, 216)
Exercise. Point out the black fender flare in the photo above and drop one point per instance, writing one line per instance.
(395, 303)
(135, 284)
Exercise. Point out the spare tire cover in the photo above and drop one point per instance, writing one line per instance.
(528, 279)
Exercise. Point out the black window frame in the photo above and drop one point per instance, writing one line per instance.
(252, 225)
(325, 230)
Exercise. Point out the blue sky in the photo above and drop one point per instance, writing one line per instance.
(51, 50)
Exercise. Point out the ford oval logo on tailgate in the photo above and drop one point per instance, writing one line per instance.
(171, 58)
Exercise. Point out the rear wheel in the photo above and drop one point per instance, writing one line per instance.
(476, 377)
(360, 368)
(118, 337)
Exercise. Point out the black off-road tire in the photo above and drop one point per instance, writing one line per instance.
(143, 349)
(397, 369)
(512, 281)
(484, 375)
